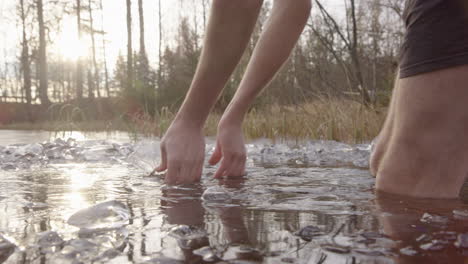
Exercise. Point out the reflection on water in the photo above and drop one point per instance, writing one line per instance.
(290, 208)
(8, 137)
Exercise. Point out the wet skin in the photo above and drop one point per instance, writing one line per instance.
(422, 149)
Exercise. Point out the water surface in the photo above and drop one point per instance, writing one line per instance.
(92, 201)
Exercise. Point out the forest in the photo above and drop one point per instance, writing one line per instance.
(336, 84)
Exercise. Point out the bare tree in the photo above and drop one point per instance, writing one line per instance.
(143, 58)
(25, 57)
(350, 42)
(95, 74)
(106, 72)
(160, 55)
(79, 66)
(129, 46)
(43, 74)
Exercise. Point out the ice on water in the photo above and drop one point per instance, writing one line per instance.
(106, 215)
(145, 154)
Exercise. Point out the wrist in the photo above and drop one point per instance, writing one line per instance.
(233, 116)
(188, 122)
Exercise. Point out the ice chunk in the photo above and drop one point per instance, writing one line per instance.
(336, 248)
(30, 149)
(409, 251)
(216, 194)
(106, 215)
(185, 232)
(49, 239)
(434, 219)
(434, 245)
(309, 232)
(462, 241)
(8, 166)
(146, 155)
(98, 153)
(6, 248)
(79, 249)
(207, 253)
(460, 214)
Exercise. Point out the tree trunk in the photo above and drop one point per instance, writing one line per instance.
(106, 73)
(129, 47)
(42, 56)
(366, 100)
(25, 61)
(95, 77)
(79, 69)
(142, 28)
(160, 44)
(143, 66)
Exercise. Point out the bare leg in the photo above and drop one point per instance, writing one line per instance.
(426, 152)
(384, 135)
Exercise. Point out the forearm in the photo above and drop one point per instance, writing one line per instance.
(283, 29)
(228, 32)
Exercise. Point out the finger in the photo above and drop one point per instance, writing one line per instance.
(217, 155)
(163, 165)
(185, 175)
(172, 173)
(234, 170)
(199, 171)
(222, 168)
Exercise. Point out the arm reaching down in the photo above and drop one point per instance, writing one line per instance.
(229, 29)
(284, 27)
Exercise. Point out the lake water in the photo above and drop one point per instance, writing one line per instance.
(91, 200)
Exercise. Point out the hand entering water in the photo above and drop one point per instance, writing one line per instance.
(182, 154)
(230, 150)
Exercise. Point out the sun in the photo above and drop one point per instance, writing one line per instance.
(68, 45)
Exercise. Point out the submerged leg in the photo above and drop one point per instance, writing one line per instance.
(424, 149)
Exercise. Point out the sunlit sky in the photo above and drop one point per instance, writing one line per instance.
(66, 43)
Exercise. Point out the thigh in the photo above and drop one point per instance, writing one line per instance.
(433, 102)
(427, 153)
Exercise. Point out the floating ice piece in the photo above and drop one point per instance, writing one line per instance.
(145, 156)
(36, 205)
(163, 260)
(309, 232)
(235, 252)
(98, 153)
(336, 248)
(49, 239)
(434, 245)
(185, 232)
(207, 253)
(462, 241)
(106, 215)
(80, 249)
(434, 219)
(6, 248)
(409, 251)
(460, 214)
(30, 149)
(216, 194)
(9, 166)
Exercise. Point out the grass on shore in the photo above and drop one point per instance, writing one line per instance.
(331, 119)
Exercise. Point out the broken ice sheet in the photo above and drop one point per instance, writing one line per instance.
(107, 215)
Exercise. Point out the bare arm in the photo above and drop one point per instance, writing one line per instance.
(286, 24)
(229, 29)
(283, 29)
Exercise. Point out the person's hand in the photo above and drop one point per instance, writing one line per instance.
(230, 149)
(182, 154)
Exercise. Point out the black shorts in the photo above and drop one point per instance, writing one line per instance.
(436, 36)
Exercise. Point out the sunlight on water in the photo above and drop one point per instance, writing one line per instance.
(91, 201)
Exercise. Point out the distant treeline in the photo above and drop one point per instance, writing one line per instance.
(353, 56)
